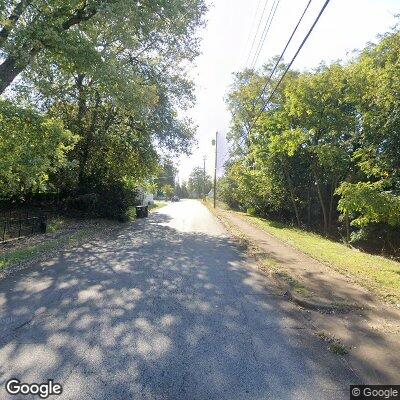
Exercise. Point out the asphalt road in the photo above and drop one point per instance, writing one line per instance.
(167, 309)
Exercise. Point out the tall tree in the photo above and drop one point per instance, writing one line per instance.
(328, 141)
(199, 183)
(63, 29)
(32, 147)
(117, 80)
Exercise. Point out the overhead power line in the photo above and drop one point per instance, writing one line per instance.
(252, 23)
(265, 32)
(283, 52)
(256, 33)
(290, 64)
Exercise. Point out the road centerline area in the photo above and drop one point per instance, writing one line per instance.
(168, 309)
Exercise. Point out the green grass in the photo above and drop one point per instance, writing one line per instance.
(12, 257)
(335, 345)
(56, 224)
(375, 273)
(157, 204)
(294, 284)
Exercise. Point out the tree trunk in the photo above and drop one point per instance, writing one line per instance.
(12, 19)
(347, 222)
(12, 66)
(81, 100)
(80, 124)
(323, 207)
(88, 141)
(333, 188)
(291, 191)
(309, 207)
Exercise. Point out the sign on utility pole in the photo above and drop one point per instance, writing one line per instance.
(215, 142)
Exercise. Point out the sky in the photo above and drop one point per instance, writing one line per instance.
(227, 39)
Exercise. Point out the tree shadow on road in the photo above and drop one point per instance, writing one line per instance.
(160, 314)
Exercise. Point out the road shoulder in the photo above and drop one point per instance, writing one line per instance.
(345, 315)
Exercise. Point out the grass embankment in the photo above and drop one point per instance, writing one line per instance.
(24, 254)
(60, 234)
(375, 273)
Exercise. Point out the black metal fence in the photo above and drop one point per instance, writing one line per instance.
(16, 224)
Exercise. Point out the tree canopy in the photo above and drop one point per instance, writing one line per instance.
(325, 151)
(96, 91)
(199, 183)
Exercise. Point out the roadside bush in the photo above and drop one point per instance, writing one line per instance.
(378, 238)
(112, 201)
(252, 211)
(84, 203)
(226, 192)
(115, 201)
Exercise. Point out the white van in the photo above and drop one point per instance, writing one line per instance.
(148, 199)
(144, 198)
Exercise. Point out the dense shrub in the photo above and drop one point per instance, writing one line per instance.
(83, 204)
(115, 201)
(378, 238)
(111, 202)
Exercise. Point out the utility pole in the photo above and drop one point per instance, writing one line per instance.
(215, 168)
(204, 176)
